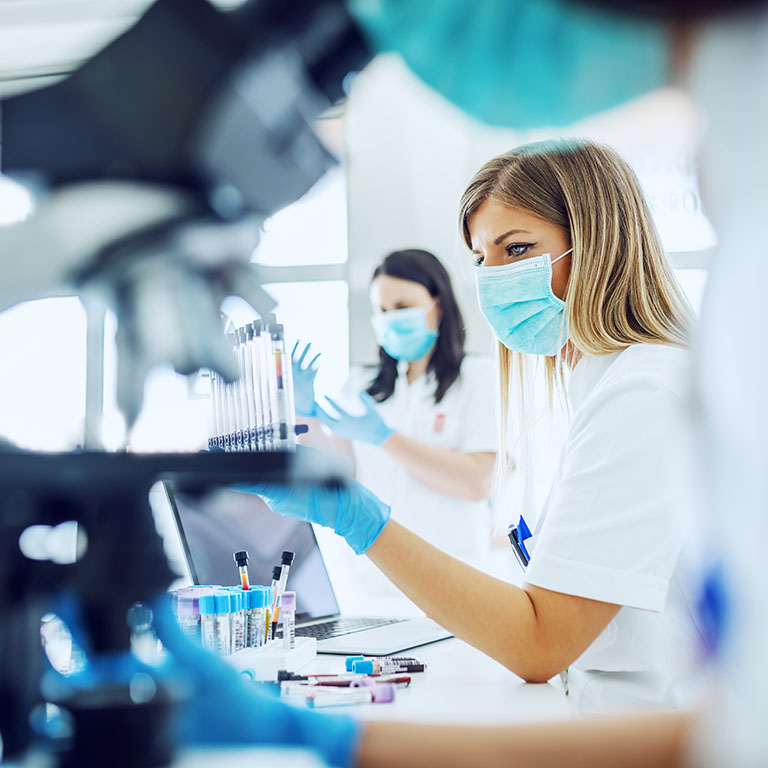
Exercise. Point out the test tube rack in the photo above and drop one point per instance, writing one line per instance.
(256, 412)
(262, 664)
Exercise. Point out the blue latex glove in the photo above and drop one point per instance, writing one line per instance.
(225, 708)
(368, 428)
(353, 512)
(304, 382)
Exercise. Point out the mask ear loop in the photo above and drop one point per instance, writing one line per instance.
(561, 256)
(551, 263)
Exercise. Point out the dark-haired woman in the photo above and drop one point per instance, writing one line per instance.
(425, 441)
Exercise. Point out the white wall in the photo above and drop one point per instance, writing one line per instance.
(408, 162)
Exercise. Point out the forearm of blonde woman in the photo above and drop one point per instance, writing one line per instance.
(534, 632)
(629, 742)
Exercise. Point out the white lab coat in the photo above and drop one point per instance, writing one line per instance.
(466, 421)
(612, 530)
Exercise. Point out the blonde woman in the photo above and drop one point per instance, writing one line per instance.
(569, 270)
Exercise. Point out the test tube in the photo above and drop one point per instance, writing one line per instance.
(253, 403)
(220, 394)
(241, 559)
(241, 417)
(246, 389)
(286, 560)
(237, 619)
(273, 612)
(212, 440)
(258, 602)
(269, 388)
(187, 614)
(378, 693)
(230, 437)
(288, 612)
(223, 640)
(260, 402)
(207, 609)
(283, 389)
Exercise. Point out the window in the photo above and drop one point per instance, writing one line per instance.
(301, 257)
(42, 389)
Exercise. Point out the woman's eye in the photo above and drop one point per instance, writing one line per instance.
(516, 250)
(478, 260)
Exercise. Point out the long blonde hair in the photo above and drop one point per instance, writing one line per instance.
(621, 290)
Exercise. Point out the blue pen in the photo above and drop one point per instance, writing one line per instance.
(517, 535)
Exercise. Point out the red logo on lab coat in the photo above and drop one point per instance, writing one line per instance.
(439, 423)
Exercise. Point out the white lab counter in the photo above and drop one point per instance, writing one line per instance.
(460, 686)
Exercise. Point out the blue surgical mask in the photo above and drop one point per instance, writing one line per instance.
(404, 333)
(519, 305)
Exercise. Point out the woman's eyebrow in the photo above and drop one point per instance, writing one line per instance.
(507, 234)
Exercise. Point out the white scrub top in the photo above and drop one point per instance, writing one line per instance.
(465, 420)
(612, 530)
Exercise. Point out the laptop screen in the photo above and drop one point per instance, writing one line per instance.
(219, 524)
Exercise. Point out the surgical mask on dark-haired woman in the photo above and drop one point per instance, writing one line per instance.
(518, 303)
(404, 333)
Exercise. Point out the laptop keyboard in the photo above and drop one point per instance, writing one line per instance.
(337, 627)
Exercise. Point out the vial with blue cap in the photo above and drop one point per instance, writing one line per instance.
(223, 629)
(207, 609)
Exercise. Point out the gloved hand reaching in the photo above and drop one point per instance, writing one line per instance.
(353, 511)
(304, 382)
(368, 428)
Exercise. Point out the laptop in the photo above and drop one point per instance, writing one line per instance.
(210, 529)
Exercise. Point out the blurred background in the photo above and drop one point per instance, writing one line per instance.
(406, 156)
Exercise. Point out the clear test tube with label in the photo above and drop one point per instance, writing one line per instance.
(246, 597)
(187, 615)
(268, 591)
(288, 613)
(245, 391)
(223, 640)
(207, 608)
(215, 427)
(257, 366)
(239, 390)
(250, 389)
(269, 389)
(237, 619)
(259, 601)
(285, 407)
(220, 394)
(230, 438)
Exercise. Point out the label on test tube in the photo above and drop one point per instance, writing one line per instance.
(237, 619)
(257, 368)
(286, 414)
(259, 602)
(223, 630)
(288, 611)
(253, 403)
(187, 616)
(385, 666)
(380, 693)
(215, 419)
(207, 607)
(269, 374)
